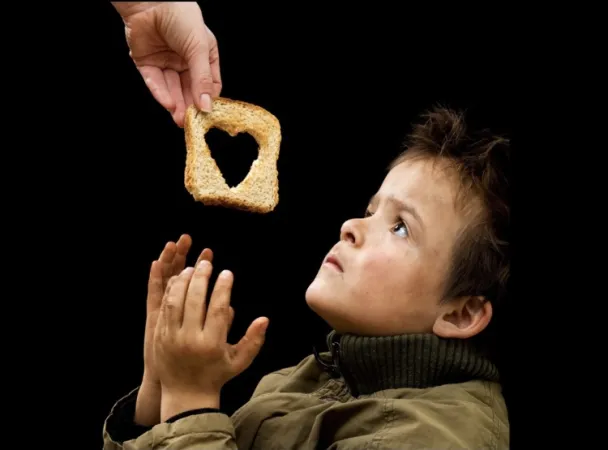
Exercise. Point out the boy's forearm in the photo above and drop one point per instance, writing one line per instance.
(147, 407)
(126, 9)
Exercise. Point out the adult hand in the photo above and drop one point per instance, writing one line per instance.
(175, 52)
(170, 263)
(191, 352)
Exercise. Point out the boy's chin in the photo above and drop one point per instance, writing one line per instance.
(318, 297)
(325, 304)
(318, 293)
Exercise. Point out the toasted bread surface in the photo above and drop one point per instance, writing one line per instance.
(259, 190)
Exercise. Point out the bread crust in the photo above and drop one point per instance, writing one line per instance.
(259, 190)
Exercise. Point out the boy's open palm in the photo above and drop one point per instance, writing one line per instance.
(170, 263)
(191, 351)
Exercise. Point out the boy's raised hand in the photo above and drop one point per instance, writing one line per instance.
(170, 262)
(191, 352)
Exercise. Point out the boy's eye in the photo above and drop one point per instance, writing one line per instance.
(401, 229)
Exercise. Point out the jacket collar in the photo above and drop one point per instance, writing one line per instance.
(370, 364)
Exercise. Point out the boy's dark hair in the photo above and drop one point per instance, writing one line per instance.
(481, 260)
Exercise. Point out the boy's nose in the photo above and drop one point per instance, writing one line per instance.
(352, 232)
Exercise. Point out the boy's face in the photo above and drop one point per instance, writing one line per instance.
(392, 264)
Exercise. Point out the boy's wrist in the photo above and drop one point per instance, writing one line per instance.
(147, 405)
(177, 403)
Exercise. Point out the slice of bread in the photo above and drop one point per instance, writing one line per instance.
(259, 190)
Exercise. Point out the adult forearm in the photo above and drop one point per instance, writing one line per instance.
(126, 9)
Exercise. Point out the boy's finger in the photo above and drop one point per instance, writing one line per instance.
(194, 307)
(166, 260)
(166, 257)
(230, 318)
(206, 255)
(173, 303)
(155, 287)
(218, 314)
(181, 252)
(250, 345)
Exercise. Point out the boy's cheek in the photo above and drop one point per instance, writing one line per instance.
(377, 265)
(391, 275)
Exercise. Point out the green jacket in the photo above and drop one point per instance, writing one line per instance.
(399, 392)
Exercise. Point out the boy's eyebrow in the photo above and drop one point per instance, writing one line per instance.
(401, 205)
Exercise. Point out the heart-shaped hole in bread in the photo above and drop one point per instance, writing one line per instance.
(233, 155)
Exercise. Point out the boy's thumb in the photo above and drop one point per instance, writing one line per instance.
(250, 345)
(201, 78)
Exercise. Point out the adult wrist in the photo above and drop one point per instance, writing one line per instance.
(126, 9)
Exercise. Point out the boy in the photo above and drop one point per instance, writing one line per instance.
(409, 291)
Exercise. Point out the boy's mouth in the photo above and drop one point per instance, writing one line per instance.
(332, 261)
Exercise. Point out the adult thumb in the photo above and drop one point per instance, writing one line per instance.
(201, 77)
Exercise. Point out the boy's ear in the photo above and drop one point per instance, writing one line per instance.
(463, 318)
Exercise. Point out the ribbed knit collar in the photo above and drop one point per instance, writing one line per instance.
(371, 364)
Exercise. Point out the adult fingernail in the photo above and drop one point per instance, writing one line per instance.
(206, 102)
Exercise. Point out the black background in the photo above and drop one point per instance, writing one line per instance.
(345, 85)
(345, 92)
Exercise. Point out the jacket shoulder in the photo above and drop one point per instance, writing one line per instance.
(306, 376)
(465, 415)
